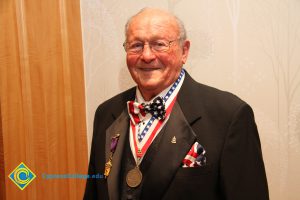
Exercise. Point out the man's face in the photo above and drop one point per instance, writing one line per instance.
(155, 71)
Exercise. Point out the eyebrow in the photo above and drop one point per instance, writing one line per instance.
(151, 39)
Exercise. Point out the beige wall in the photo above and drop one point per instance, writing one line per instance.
(249, 47)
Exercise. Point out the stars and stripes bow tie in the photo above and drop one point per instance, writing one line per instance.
(156, 109)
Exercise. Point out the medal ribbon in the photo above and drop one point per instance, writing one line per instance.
(142, 151)
(113, 146)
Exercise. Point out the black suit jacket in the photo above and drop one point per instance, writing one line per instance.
(222, 123)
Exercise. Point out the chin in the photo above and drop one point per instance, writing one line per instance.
(149, 86)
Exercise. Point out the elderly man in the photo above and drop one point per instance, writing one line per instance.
(171, 137)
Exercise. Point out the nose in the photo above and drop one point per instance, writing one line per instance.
(147, 55)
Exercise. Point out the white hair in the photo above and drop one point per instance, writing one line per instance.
(182, 31)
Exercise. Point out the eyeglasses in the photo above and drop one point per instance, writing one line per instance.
(158, 46)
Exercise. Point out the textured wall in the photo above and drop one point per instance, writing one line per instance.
(249, 47)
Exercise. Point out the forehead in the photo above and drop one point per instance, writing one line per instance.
(150, 25)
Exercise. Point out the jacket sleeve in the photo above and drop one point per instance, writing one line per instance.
(96, 188)
(242, 171)
(91, 188)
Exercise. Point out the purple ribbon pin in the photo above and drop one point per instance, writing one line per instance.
(114, 142)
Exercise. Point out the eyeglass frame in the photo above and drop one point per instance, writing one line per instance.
(150, 46)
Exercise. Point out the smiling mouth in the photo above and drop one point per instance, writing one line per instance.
(148, 69)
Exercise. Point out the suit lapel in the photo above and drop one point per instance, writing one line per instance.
(169, 155)
(189, 101)
(120, 126)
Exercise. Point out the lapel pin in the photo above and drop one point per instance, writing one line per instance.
(173, 140)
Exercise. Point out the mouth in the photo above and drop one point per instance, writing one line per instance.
(149, 69)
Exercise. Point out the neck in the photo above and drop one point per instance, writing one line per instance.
(148, 95)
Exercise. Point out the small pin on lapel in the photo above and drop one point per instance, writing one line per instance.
(173, 140)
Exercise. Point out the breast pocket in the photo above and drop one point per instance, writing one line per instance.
(192, 183)
(194, 171)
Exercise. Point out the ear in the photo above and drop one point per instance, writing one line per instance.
(185, 50)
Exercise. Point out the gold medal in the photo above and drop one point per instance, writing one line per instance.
(134, 177)
(108, 166)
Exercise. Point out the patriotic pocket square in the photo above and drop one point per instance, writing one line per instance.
(195, 157)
